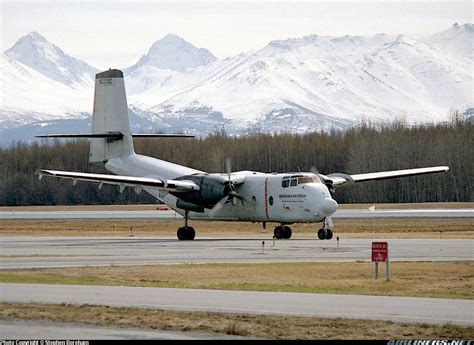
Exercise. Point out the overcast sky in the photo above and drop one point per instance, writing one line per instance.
(117, 33)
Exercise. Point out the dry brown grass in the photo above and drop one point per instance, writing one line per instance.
(260, 326)
(378, 228)
(421, 279)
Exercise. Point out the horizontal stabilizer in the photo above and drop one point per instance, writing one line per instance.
(129, 181)
(115, 135)
(144, 135)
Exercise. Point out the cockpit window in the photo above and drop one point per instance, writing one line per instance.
(308, 179)
(292, 181)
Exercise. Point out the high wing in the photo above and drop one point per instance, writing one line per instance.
(337, 179)
(123, 181)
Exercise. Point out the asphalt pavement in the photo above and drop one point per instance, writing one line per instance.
(399, 309)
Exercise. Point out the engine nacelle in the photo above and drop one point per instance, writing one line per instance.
(211, 190)
(189, 206)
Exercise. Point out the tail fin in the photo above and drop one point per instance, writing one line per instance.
(111, 136)
(110, 115)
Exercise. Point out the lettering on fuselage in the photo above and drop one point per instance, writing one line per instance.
(292, 197)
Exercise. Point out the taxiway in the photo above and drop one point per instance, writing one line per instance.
(48, 252)
(401, 309)
(172, 215)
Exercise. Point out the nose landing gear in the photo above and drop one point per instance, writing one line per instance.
(326, 233)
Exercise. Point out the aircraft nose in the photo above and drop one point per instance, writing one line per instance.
(328, 206)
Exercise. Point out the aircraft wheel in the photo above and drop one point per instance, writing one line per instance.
(322, 234)
(279, 232)
(287, 232)
(329, 234)
(190, 233)
(186, 233)
(181, 233)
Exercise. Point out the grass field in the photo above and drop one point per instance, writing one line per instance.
(378, 228)
(420, 279)
(259, 326)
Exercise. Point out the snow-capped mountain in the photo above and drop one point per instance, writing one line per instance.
(298, 84)
(312, 82)
(36, 52)
(29, 96)
(175, 54)
(458, 40)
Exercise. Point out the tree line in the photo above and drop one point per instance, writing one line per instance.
(366, 148)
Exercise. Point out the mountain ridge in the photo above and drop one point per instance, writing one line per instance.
(38, 53)
(298, 84)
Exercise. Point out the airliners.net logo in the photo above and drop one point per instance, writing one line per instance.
(431, 342)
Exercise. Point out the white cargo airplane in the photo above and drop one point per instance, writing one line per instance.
(232, 196)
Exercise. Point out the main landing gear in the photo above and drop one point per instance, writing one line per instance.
(282, 231)
(325, 233)
(186, 233)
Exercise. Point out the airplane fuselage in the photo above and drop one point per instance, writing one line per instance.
(284, 198)
(234, 196)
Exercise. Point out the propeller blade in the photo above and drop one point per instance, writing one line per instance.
(242, 199)
(217, 207)
(228, 167)
(231, 191)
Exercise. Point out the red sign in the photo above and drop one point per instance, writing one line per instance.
(379, 251)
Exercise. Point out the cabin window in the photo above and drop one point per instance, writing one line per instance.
(270, 200)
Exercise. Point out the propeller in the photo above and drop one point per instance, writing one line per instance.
(230, 191)
(328, 182)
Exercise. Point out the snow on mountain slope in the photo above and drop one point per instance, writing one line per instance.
(317, 82)
(29, 96)
(174, 53)
(458, 40)
(426, 76)
(298, 84)
(36, 52)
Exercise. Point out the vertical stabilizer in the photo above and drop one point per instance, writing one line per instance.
(110, 115)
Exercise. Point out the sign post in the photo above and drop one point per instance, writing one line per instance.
(380, 254)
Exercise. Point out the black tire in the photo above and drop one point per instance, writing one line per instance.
(181, 233)
(279, 232)
(287, 232)
(329, 234)
(322, 234)
(190, 233)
